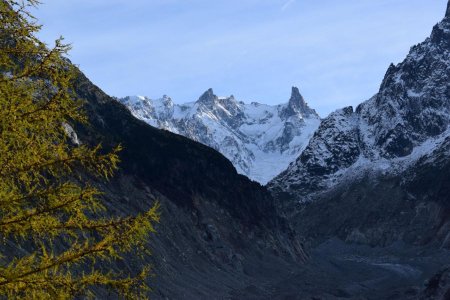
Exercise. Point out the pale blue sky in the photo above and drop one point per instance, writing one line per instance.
(335, 51)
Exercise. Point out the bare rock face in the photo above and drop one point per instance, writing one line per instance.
(297, 106)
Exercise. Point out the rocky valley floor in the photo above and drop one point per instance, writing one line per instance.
(337, 270)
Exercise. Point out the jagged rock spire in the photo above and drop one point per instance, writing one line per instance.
(298, 105)
(207, 97)
(296, 101)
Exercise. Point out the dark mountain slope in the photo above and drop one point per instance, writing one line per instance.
(379, 173)
(220, 234)
(175, 166)
(379, 236)
(379, 209)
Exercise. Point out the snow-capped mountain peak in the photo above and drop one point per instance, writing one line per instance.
(411, 109)
(260, 140)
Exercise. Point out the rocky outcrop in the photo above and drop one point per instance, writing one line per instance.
(297, 106)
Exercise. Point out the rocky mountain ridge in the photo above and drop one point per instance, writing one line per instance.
(407, 118)
(260, 140)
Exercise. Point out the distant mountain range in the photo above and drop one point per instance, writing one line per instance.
(260, 140)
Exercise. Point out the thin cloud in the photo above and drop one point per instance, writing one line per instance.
(287, 4)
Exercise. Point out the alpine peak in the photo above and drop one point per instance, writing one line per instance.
(296, 100)
(207, 97)
(297, 105)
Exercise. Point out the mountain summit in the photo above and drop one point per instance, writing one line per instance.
(297, 105)
(208, 97)
(409, 116)
(260, 140)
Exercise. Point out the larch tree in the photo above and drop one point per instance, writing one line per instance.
(54, 229)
